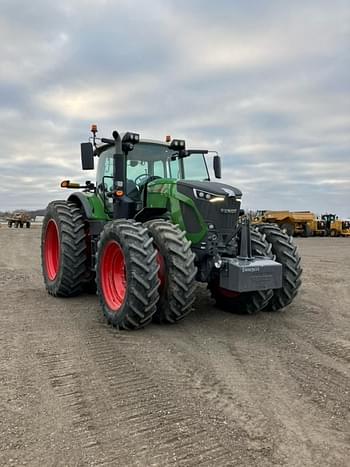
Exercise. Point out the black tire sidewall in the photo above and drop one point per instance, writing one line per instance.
(141, 268)
(52, 214)
(175, 301)
(69, 279)
(114, 316)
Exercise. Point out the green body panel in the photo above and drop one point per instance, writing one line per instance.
(163, 194)
(97, 207)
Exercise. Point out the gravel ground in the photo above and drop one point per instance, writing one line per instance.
(216, 389)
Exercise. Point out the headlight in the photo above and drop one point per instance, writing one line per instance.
(178, 144)
(217, 199)
(208, 196)
(131, 137)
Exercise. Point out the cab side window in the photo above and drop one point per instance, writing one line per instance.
(105, 172)
(174, 168)
(159, 169)
(135, 168)
(104, 177)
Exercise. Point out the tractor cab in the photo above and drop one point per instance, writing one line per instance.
(145, 179)
(329, 218)
(149, 163)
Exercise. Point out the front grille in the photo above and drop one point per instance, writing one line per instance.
(190, 219)
(220, 214)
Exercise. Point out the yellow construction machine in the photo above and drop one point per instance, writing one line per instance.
(318, 227)
(294, 222)
(336, 227)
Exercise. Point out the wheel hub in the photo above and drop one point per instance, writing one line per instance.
(113, 276)
(52, 250)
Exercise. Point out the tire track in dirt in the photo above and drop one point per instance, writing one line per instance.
(216, 389)
(266, 392)
(112, 405)
(149, 401)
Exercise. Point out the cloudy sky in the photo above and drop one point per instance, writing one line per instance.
(266, 83)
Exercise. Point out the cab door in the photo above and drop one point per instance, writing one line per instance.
(104, 179)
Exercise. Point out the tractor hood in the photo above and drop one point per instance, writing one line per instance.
(214, 188)
(222, 215)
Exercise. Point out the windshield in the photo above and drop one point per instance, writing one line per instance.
(158, 160)
(148, 159)
(195, 167)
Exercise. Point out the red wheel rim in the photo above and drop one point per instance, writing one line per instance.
(113, 277)
(161, 272)
(52, 250)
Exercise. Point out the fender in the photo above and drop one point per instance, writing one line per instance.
(147, 214)
(82, 201)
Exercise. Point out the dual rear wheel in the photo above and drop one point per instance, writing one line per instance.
(127, 274)
(143, 272)
(63, 249)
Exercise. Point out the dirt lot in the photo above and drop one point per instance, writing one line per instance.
(216, 389)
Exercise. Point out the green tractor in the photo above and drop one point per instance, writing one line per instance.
(152, 226)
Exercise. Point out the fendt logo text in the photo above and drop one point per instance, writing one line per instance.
(228, 211)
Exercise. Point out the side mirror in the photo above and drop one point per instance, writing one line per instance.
(87, 156)
(217, 166)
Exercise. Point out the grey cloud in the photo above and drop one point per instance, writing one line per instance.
(265, 83)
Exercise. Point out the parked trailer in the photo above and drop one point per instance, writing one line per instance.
(19, 219)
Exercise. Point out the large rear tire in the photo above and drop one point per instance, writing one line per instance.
(286, 253)
(127, 274)
(289, 228)
(177, 271)
(63, 249)
(246, 302)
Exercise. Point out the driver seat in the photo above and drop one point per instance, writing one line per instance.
(132, 191)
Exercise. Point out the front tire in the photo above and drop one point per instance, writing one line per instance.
(63, 249)
(286, 253)
(177, 271)
(127, 274)
(245, 302)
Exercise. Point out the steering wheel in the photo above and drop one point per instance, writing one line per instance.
(142, 179)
